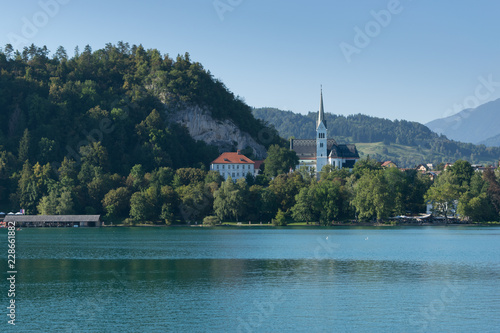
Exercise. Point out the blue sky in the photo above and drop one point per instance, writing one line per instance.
(420, 60)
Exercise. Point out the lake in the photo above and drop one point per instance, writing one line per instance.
(395, 279)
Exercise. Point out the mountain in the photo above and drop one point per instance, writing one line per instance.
(404, 142)
(470, 125)
(494, 141)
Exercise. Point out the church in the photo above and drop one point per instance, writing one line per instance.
(316, 153)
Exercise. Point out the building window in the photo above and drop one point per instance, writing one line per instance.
(217, 167)
(321, 145)
(237, 167)
(233, 175)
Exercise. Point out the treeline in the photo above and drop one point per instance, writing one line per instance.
(459, 191)
(361, 128)
(368, 192)
(102, 112)
(189, 195)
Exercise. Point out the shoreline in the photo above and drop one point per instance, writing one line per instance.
(292, 225)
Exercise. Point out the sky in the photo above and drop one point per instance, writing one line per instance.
(417, 60)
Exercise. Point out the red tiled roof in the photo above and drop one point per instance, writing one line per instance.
(258, 164)
(386, 163)
(232, 158)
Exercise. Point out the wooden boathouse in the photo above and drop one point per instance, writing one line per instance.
(37, 221)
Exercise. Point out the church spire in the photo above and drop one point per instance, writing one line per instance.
(321, 113)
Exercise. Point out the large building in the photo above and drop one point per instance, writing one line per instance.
(316, 153)
(54, 220)
(234, 165)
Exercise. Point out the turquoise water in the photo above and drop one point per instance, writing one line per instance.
(425, 279)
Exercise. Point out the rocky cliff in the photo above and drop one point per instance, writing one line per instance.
(221, 133)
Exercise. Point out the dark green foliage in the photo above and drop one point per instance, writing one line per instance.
(93, 117)
(279, 160)
(461, 172)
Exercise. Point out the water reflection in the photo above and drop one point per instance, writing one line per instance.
(258, 281)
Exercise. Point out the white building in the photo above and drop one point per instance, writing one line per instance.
(321, 151)
(235, 165)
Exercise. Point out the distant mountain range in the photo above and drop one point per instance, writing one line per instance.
(404, 142)
(491, 142)
(479, 126)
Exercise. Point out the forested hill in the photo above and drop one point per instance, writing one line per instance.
(86, 120)
(53, 105)
(426, 145)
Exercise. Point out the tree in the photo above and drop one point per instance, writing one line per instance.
(279, 160)
(7, 165)
(303, 209)
(371, 196)
(476, 208)
(227, 203)
(94, 154)
(116, 202)
(285, 188)
(28, 191)
(140, 209)
(365, 165)
(327, 201)
(61, 54)
(462, 172)
(280, 219)
(24, 147)
(196, 201)
(136, 179)
(214, 177)
(493, 190)
(444, 198)
(47, 151)
(48, 204)
(167, 213)
(162, 176)
(398, 188)
(416, 185)
(186, 176)
(8, 50)
(262, 204)
(211, 221)
(65, 204)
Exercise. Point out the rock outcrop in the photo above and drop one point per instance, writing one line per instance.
(221, 133)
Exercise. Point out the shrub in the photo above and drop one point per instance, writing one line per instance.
(211, 221)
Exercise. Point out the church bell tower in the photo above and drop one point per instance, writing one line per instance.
(321, 139)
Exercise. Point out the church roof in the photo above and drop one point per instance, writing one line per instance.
(306, 148)
(344, 151)
(303, 148)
